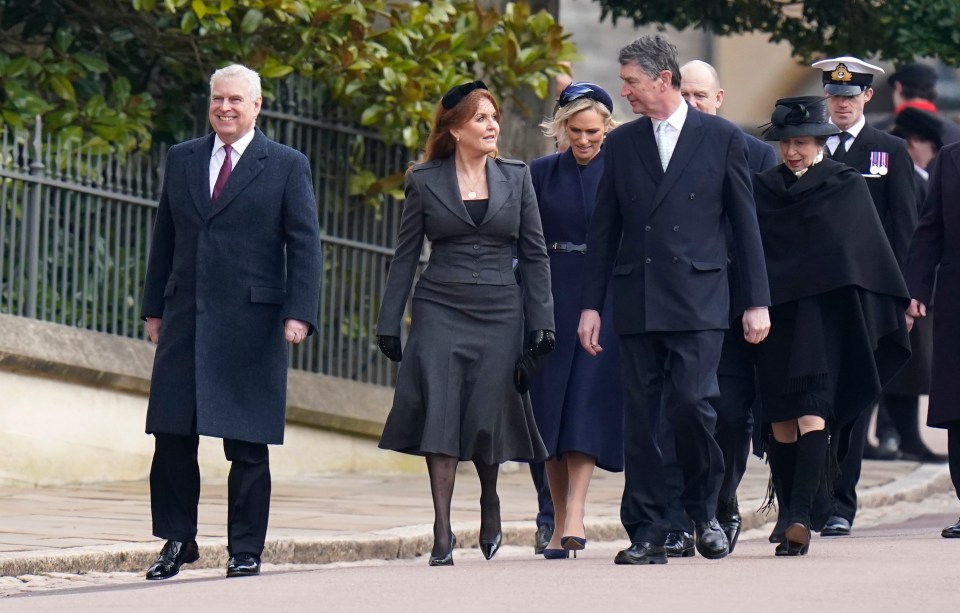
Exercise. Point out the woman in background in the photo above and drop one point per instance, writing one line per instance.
(576, 398)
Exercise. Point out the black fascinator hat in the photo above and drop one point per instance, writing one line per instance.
(799, 116)
(458, 92)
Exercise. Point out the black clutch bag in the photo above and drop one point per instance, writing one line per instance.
(526, 369)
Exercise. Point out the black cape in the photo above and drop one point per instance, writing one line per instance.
(839, 332)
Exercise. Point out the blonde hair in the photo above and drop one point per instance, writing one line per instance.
(556, 127)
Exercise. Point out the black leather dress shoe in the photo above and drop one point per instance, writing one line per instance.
(728, 514)
(173, 555)
(951, 532)
(836, 526)
(243, 565)
(542, 538)
(922, 455)
(886, 449)
(679, 544)
(710, 540)
(642, 553)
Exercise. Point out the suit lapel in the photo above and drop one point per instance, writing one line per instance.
(859, 154)
(198, 174)
(250, 165)
(443, 183)
(687, 146)
(499, 190)
(646, 146)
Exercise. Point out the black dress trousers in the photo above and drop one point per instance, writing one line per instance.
(669, 376)
(175, 491)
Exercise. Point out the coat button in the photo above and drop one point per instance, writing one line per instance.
(476, 246)
(648, 260)
(691, 196)
(475, 275)
(675, 260)
(647, 228)
(676, 228)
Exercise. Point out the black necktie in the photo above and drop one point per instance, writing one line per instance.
(841, 151)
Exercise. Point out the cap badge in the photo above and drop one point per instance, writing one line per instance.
(841, 74)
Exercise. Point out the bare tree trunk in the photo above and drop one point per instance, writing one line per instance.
(520, 136)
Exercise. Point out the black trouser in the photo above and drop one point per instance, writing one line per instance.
(545, 502)
(175, 491)
(671, 376)
(850, 455)
(733, 434)
(953, 450)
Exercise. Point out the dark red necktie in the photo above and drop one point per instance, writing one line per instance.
(225, 169)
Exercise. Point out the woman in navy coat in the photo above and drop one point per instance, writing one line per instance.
(576, 398)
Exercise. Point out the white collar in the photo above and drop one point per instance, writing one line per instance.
(677, 119)
(239, 146)
(853, 130)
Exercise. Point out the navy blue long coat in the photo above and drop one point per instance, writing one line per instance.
(576, 399)
(224, 277)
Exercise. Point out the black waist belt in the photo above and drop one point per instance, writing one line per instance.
(566, 247)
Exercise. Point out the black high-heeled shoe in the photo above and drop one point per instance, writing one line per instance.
(573, 543)
(446, 559)
(489, 548)
(797, 540)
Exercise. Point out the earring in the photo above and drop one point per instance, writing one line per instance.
(458, 138)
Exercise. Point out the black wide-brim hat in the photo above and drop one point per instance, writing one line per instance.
(799, 116)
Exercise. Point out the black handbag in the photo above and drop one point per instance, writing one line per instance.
(526, 369)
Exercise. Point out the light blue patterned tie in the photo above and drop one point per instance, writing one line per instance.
(662, 145)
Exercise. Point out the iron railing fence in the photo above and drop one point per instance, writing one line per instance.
(76, 229)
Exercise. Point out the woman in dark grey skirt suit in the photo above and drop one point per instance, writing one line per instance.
(455, 397)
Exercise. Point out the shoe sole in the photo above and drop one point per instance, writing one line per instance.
(713, 556)
(644, 562)
(242, 574)
(947, 535)
(686, 553)
(833, 532)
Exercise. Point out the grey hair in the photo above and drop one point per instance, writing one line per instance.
(653, 53)
(239, 70)
(556, 126)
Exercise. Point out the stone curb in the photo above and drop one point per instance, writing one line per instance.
(404, 542)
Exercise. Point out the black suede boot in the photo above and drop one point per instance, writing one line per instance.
(811, 458)
(782, 458)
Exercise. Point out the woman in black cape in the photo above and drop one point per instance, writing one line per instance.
(839, 329)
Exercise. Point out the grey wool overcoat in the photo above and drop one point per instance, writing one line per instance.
(224, 277)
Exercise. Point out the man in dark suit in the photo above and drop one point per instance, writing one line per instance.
(700, 87)
(883, 160)
(672, 180)
(234, 272)
(932, 270)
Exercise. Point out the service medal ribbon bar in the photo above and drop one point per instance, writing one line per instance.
(879, 162)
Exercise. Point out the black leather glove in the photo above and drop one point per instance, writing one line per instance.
(542, 342)
(390, 347)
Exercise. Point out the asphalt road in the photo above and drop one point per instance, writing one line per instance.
(895, 561)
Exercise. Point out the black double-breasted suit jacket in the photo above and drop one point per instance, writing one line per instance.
(224, 276)
(893, 193)
(662, 233)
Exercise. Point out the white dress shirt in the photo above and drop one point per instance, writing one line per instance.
(671, 133)
(216, 159)
(834, 141)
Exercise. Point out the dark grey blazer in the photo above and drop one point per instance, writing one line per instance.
(461, 251)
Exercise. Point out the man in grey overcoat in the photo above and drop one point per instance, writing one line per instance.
(233, 275)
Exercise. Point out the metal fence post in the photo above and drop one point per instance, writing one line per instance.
(33, 224)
